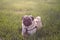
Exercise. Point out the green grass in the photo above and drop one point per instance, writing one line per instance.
(11, 12)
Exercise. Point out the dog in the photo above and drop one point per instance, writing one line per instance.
(30, 25)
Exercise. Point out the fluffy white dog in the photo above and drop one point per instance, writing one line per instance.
(30, 25)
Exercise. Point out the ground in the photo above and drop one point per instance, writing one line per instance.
(11, 12)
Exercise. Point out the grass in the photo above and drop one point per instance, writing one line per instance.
(11, 12)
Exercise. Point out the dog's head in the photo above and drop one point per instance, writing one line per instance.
(27, 20)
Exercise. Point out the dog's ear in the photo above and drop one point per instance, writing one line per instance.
(32, 18)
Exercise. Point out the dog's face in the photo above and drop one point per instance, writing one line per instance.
(27, 20)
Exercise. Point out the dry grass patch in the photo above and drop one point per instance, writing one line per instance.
(24, 6)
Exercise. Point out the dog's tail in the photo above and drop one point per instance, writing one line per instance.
(39, 21)
(39, 18)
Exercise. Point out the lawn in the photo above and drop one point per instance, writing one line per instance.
(11, 12)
